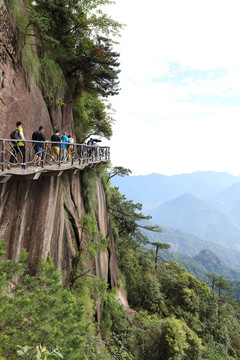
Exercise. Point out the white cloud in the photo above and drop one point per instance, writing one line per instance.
(158, 129)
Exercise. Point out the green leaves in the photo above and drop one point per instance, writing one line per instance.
(127, 216)
(118, 171)
(96, 241)
(92, 116)
(70, 32)
(39, 353)
(53, 81)
(40, 311)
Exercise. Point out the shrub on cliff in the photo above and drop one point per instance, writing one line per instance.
(40, 311)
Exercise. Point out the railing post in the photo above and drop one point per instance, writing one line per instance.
(43, 155)
(3, 154)
(80, 159)
(60, 156)
(72, 155)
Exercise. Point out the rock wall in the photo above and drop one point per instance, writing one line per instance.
(42, 216)
(19, 100)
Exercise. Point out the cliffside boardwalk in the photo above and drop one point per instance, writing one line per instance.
(78, 157)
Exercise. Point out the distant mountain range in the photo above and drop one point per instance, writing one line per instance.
(197, 211)
(154, 189)
(190, 245)
(206, 262)
(199, 218)
(228, 202)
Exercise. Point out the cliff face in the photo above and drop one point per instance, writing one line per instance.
(21, 100)
(43, 215)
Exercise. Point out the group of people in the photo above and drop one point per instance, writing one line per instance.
(65, 142)
(94, 146)
(60, 145)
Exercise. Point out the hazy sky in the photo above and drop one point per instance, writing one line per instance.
(179, 107)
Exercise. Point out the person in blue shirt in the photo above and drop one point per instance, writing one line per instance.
(64, 139)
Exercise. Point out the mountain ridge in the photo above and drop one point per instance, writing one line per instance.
(154, 189)
(187, 244)
(198, 217)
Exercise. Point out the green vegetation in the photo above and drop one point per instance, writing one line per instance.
(78, 35)
(67, 49)
(178, 317)
(188, 244)
(32, 311)
(40, 352)
(96, 240)
(118, 171)
(199, 268)
(92, 116)
(235, 285)
(89, 179)
(127, 217)
(52, 81)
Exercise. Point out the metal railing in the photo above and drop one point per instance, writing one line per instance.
(23, 153)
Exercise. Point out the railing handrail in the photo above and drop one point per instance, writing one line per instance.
(48, 141)
(12, 153)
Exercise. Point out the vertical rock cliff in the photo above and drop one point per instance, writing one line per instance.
(43, 216)
(22, 100)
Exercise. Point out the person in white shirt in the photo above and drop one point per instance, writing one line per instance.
(70, 147)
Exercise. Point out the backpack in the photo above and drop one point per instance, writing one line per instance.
(15, 135)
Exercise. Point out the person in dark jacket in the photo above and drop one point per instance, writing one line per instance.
(56, 146)
(38, 146)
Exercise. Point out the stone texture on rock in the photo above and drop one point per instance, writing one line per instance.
(21, 100)
(32, 217)
(42, 216)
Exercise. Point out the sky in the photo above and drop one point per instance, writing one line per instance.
(178, 110)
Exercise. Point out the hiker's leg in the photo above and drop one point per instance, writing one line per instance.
(53, 152)
(22, 151)
(14, 154)
(40, 153)
(57, 150)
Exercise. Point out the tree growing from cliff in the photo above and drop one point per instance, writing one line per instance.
(92, 117)
(95, 242)
(213, 279)
(32, 312)
(128, 218)
(159, 246)
(118, 171)
(77, 35)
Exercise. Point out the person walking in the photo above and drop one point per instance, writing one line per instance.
(64, 139)
(38, 146)
(18, 147)
(70, 147)
(90, 144)
(56, 146)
